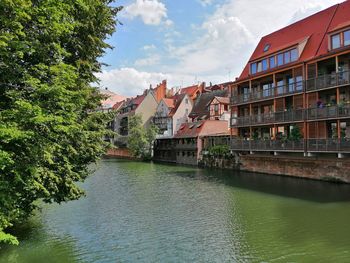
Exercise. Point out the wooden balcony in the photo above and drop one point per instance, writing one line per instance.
(308, 145)
(328, 112)
(328, 81)
(269, 118)
(278, 91)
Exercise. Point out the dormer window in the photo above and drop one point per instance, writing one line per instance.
(335, 39)
(340, 39)
(279, 59)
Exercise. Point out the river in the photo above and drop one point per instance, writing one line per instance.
(142, 212)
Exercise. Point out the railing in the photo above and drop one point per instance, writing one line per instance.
(268, 118)
(328, 145)
(267, 145)
(329, 112)
(264, 94)
(328, 81)
(309, 145)
(186, 146)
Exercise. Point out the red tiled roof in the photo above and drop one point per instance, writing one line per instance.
(118, 105)
(112, 98)
(169, 102)
(189, 90)
(223, 100)
(202, 128)
(313, 28)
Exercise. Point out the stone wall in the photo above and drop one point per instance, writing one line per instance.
(327, 169)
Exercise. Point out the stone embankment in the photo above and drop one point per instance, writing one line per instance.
(326, 169)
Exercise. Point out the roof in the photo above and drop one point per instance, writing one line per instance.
(202, 128)
(222, 100)
(313, 30)
(189, 90)
(169, 102)
(200, 109)
(118, 105)
(177, 101)
(112, 98)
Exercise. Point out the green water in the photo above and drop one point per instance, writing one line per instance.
(141, 212)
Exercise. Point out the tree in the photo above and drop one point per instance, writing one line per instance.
(295, 134)
(140, 140)
(49, 131)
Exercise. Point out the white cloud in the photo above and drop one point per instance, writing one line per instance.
(225, 42)
(205, 2)
(148, 61)
(152, 12)
(149, 47)
(129, 81)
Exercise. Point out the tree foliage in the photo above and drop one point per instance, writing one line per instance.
(140, 140)
(49, 131)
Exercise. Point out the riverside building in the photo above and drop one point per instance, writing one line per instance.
(293, 95)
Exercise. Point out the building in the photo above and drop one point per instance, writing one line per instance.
(187, 144)
(219, 108)
(110, 100)
(171, 113)
(144, 105)
(201, 108)
(193, 91)
(294, 95)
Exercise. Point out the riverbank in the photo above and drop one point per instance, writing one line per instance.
(324, 169)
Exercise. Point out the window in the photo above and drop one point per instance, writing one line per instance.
(253, 68)
(280, 59)
(335, 39)
(216, 107)
(347, 38)
(259, 66)
(186, 101)
(286, 57)
(272, 62)
(264, 64)
(294, 54)
(266, 48)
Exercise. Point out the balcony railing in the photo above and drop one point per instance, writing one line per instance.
(329, 112)
(328, 145)
(328, 81)
(309, 145)
(265, 94)
(186, 146)
(267, 145)
(269, 118)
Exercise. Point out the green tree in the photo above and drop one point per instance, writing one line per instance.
(140, 140)
(49, 131)
(295, 134)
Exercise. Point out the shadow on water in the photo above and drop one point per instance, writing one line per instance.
(32, 249)
(300, 188)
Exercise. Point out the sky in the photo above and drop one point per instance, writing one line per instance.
(190, 41)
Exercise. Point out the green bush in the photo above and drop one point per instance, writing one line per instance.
(219, 151)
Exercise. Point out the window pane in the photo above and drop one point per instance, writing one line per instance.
(294, 55)
(347, 38)
(253, 68)
(272, 62)
(264, 64)
(279, 59)
(336, 41)
(259, 66)
(286, 57)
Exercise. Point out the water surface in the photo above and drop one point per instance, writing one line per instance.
(141, 212)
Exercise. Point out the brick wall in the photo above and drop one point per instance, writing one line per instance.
(119, 153)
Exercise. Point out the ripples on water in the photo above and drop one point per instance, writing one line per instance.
(140, 212)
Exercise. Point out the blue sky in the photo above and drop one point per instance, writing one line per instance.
(190, 41)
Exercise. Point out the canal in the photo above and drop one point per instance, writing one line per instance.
(142, 212)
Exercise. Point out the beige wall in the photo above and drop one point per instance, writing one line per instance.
(181, 115)
(147, 109)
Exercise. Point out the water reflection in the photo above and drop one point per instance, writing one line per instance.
(140, 212)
